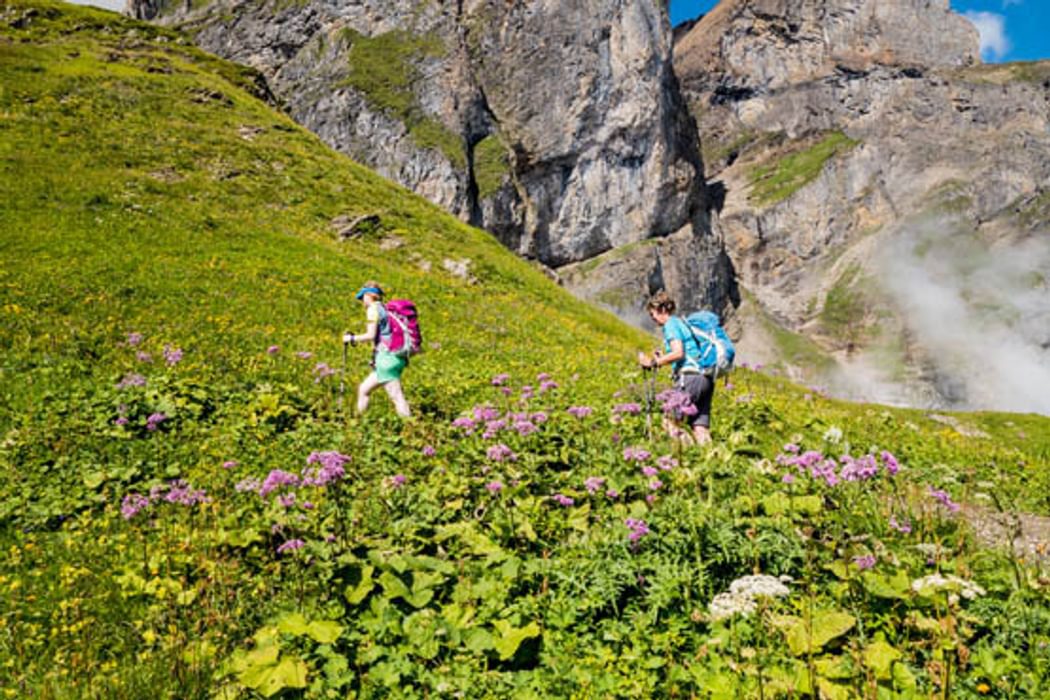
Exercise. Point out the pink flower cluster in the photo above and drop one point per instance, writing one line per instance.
(835, 471)
(177, 492)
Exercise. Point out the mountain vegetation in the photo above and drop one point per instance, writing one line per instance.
(189, 509)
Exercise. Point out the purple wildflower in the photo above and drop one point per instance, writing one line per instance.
(638, 529)
(121, 420)
(154, 421)
(273, 349)
(172, 355)
(901, 527)
(892, 465)
(564, 501)
(525, 427)
(131, 380)
(501, 453)
(650, 471)
(667, 463)
(635, 454)
(676, 403)
(465, 424)
(944, 499)
(322, 371)
(631, 409)
(580, 411)
(291, 546)
(543, 376)
(791, 448)
(249, 484)
(397, 481)
(332, 468)
(526, 392)
(134, 339)
(500, 379)
(655, 485)
(494, 486)
(429, 451)
(539, 417)
(485, 413)
(593, 484)
(276, 479)
(133, 504)
(548, 386)
(612, 494)
(286, 500)
(143, 356)
(865, 562)
(492, 428)
(183, 494)
(304, 355)
(229, 464)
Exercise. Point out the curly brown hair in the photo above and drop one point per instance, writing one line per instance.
(661, 302)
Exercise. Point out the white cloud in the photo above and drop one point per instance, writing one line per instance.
(992, 28)
(115, 5)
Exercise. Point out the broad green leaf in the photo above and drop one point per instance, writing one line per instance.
(834, 667)
(903, 678)
(93, 480)
(880, 657)
(776, 504)
(808, 505)
(882, 586)
(241, 661)
(363, 587)
(826, 626)
(839, 568)
(393, 587)
(324, 631)
(833, 691)
(509, 638)
(290, 672)
(292, 623)
(478, 640)
(579, 518)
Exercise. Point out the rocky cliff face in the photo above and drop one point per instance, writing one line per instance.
(557, 126)
(874, 172)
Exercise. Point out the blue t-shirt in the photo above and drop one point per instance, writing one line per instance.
(676, 329)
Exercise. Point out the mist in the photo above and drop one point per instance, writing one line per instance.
(979, 313)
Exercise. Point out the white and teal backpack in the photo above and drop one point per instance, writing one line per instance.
(715, 351)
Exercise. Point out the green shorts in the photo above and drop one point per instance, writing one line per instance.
(389, 366)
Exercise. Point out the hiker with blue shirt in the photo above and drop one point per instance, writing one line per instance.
(387, 366)
(680, 347)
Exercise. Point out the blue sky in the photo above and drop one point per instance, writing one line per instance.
(1011, 30)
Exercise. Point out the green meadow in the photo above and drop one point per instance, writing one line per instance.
(189, 509)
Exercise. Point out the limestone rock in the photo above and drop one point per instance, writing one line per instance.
(557, 126)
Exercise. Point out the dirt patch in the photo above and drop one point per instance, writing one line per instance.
(1027, 533)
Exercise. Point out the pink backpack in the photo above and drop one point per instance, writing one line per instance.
(406, 338)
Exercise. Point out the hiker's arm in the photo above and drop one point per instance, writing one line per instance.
(677, 353)
(367, 337)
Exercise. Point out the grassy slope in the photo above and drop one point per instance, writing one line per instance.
(145, 189)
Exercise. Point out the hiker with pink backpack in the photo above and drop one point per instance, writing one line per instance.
(393, 330)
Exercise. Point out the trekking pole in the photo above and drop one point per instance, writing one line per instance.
(650, 389)
(342, 379)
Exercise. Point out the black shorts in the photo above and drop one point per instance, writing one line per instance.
(701, 389)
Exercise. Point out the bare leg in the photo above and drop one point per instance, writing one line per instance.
(676, 432)
(393, 390)
(701, 434)
(367, 387)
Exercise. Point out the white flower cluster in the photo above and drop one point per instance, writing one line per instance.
(931, 550)
(740, 598)
(833, 435)
(955, 586)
